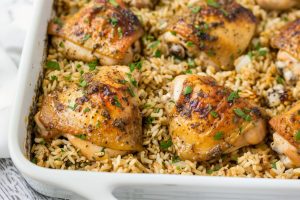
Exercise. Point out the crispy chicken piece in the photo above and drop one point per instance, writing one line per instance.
(208, 120)
(102, 112)
(278, 5)
(287, 136)
(288, 43)
(220, 33)
(100, 30)
(142, 3)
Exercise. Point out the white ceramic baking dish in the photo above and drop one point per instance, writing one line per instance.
(98, 185)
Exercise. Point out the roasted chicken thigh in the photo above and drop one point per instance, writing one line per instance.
(287, 136)
(288, 57)
(219, 32)
(278, 5)
(208, 120)
(101, 113)
(104, 30)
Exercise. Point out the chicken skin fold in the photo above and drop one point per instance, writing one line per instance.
(100, 30)
(219, 33)
(208, 120)
(101, 112)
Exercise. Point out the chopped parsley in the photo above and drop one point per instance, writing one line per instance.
(189, 43)
(114, 3)
(83, 83)
(136, 65)
(81, 136)
(150, 37)
(189, 71)
(280, 80)
(239, 112)
(122, 81)
(214, 114)
(132, 80)
(86, 110)
(165, 144)
(78, 66)
(86, 37)
(92, 65)
(72, 105)
(218, 135)
(297, 136)
(33, 160)
(148, 120)
(187, 90)
(175, 159)
(216, 168)
(117, 102)
(273, 165)
(58, 21)
(98, 124)
(196, 9)
(53, 78)
(52, 65)
(157, 53)
(130, 91)
(154, 44)
(62, 45)
(225, 13)
(173, 32)
(191, 63)
(262, 52)
(120, 32)
(68, 78)
(113, 21)
(233, 95)
(213, 3)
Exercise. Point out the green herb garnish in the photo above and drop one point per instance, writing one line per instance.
(81, 136)
(213, 3)
(239, 112)
(86, 37)
(117, 102)
(166, 144)
(52, 65)
(233, 95)
(280, 80)
(189, 43)
(53, 78)
(218, 135)
(83, 83)
(154, 44)
(73, 105)
(113, 21)
(196, 9)
(191, 63)
(297, 136)
(92, 65)
(188, 71)
(58, 21)
(130, 91)
(157, 53)
(187, 90)
(214, 114)
(175, 159)
(114, 3)
(86, 110)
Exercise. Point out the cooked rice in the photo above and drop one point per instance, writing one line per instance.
(256, 80)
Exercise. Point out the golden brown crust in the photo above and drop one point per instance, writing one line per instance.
(288, 124)
(104, 111)
(198, 117)
(100, 27)
(223, 32)
(288, 39)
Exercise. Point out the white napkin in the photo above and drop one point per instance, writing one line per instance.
(14, 19)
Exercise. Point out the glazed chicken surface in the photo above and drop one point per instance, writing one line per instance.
(278, 4)
(99, 115)
(288, 57)
(220, 32)
(104, 30)
(208, 120)
(287, 136)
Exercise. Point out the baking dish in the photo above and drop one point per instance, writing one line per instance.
(99, 185)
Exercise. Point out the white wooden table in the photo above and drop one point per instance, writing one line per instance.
(13, 185)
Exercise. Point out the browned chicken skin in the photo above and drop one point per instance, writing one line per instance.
(100, 30)
(221, 33)
(142, 3)
(208, 120)
(278, 4)
(104, 113)
(288, 43)
(287, 136)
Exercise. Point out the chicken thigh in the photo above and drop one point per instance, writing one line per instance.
(220, 32)
(101, 112)
(208, 120)
(288, 43)
(104, 30)
(278, 5)
(287, 136)
(142, 3)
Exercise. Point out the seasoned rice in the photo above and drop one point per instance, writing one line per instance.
(257, 79)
